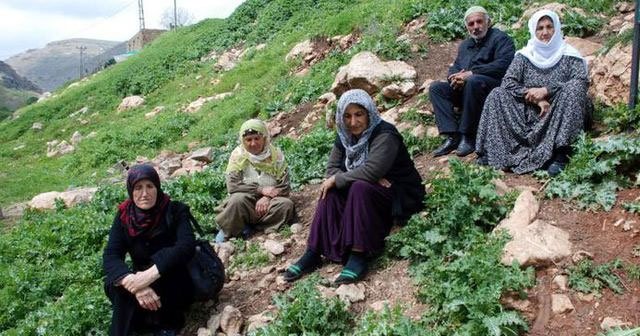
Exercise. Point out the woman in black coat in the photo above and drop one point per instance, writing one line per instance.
(154, 293)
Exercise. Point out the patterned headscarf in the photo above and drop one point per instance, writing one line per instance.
(545, 55)
(270, 161)
(357, 150)
(137, 220)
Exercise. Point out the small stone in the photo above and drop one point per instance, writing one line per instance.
(432, 132)
(581, 255)
(273, 247)
(280, 280)
(37, 126)
(204, 332)
(560, 304)
(268, 269)
(379, 305)
(258, 321)
(561, 282)
(203, 155)
(610, 322)
(618, 222)
(296, 228)
(231, 320)
(326, 292)
(585, 297)
(351, 292)
(443, 160)
(266, 281)
(214, 322)
(628, 225)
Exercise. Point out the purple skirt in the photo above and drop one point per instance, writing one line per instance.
(356, 218)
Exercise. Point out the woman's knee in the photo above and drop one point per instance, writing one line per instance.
(361, 187)
(239, 199)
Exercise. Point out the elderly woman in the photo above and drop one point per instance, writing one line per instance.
(371, 182)
(258, 184)
(530, 121)
(154, 294)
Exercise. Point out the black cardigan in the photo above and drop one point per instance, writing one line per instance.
(168, 248)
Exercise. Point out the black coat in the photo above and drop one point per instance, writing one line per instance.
(490, 56)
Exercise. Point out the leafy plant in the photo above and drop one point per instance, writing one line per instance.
(588, 277)
(576, 24)
(621, 331)
(388, 322)
(633, 270)
(308, 155)
(632, 207)
(620, 118)
(249, 255)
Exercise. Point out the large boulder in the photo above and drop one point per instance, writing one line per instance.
(366, 71)
(302, 49)
(228, 60)
(70, 198)
(610, 75)
(587, 48)
(533, 242)
(58, 148)
(130, 103)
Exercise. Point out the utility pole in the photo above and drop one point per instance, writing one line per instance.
(141, 14)
(633, 94)
(175, 15)
(82, 49)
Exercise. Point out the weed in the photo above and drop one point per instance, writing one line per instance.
(576, 24)
(307, 157)
(620, 118)
(633, 270)
(588, 277)
(619, 39)
(388, 322)
(632, 207)
(248, 255)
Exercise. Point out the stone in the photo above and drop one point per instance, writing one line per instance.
(399, 91)
(628, 225)
(14, 210)
(327, 98)
(610, 322)
(366, 71)
(228, 60)
(231, 320)
(326, 292)
(433, 132)
(204, 332)
(419, 131)
(561, 282)
(180, 172)
(378, 306)
(267, 269)
(584, 46)
(266, 280)
(585, 297)
(560, 304)
(156, 110)
(37, 126)
(81, 111)
(203, 155)
(255, 322)
(170, 165)
(625, 7)
(302, 49)
(214, 322)
(44, 96)
(70, 198)
(58, 148)
(515, 303)
(296, 228)
(501, 187)
(130, 103)
(76, 138)
(581, 255)
(196, 105)
(273, 247)
(425, 86)
(351, 292)
(610, 75)
(524, 211)
(225, 251)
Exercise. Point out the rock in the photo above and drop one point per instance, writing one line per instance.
(44, 96)
(327, 98)
(419, 131)
(130, 103)
(378, 306)
(258, 321)
(266, 280)
(610, 322)
(560, 304)
(14, 210)
(326, 292)
(303, 49)
(70, 198)
(203, 154)
(391, 116)
(538, 243)
(76, 138)
(58, 148)
(628, 225)
(204, 332)
(170, 165)
(296, 228)
(367, 72)
(561, 282)
(231, 320)
(584, 46)
(223, 95)
(197, 104)
(268, 269)
(214, 322)
(225, 251)
(156, 110)
(625, 7)
(432, 132)
(180, 172)
(351, 292)
(425, 86)
(37, 126)
(585, 297)
(399, 91)
(81, 111)
(273, 247)
(501, 187)
(610, 75)
(581, 255)
(228, 60)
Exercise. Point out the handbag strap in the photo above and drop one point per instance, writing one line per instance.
(192, 220)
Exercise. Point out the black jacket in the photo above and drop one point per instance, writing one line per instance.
(490, 56)
(168, 248)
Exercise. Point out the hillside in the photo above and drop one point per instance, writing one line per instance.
(282, 60)
(15, 90)
(59, 62)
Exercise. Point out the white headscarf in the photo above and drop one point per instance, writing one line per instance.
(545, 55)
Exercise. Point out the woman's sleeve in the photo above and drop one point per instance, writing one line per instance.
(236, 184)
(284, 184)
(334, 164)
(513, 80)
(578, 79)
(181, 252)
(113, 256)
(382, 153)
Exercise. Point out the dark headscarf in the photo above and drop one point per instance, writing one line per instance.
(134, 219)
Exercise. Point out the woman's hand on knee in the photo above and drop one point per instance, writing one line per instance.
(148, 299)
(384, 182)
(270, 191)
(139, 280)
(262, 205)
(326, 185)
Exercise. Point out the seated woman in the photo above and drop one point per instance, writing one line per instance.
(371, 182)
(258, 184)
(155, 293)
(530, 121)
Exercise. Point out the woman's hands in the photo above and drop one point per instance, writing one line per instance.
(384, 182)
(148, 299)
(326, 185)
(262, 205)
(544, 108)
(135, 282)
(535, 95)
(270, 191)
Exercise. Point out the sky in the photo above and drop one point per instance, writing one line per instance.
(31, 24)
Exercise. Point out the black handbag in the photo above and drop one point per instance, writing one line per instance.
(205, 268)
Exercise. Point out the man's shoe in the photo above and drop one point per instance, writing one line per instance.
(482, 160)
(466, 146)
(447, 146)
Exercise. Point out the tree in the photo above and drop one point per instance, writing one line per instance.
(183, 16)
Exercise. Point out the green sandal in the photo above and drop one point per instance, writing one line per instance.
(348, 276)
(295, 272)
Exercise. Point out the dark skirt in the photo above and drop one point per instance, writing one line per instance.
(355, 218)
(176, 294)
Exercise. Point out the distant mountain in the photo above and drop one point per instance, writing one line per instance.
(59, 62)
(15, 90)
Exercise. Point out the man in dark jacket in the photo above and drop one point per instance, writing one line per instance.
(481, 63)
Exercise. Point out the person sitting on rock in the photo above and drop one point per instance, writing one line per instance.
(371, 182)
(479, 67)
(257, 180)
(532, 119)
(153, 295)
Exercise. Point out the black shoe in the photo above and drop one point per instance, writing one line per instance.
(466, 146)
(482, 160)
(447, 146)
(165, 332)
(555, 168)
